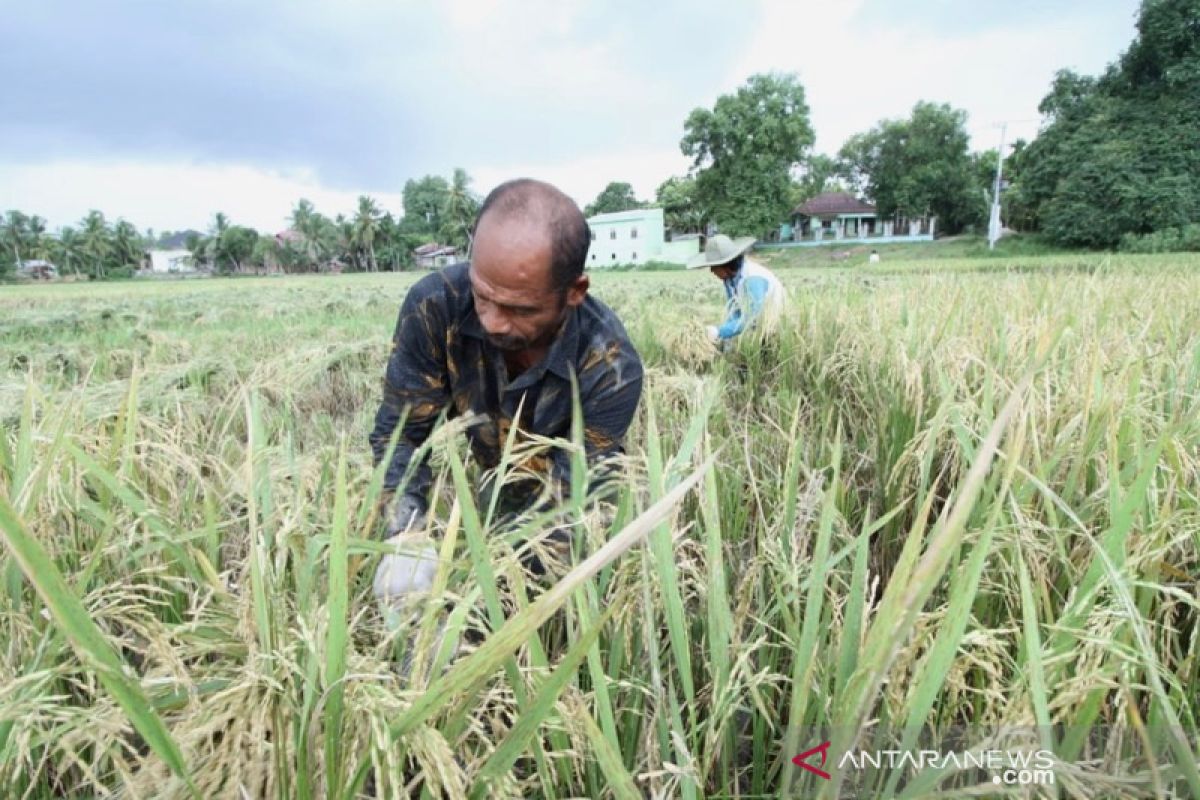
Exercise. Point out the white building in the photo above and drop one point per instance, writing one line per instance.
(634, 237)
(171, 261)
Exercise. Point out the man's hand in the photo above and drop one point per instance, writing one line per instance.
(412, 567)
(409, 570)
(408, 515)
(714, 335)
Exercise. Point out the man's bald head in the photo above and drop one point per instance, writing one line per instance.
(527, 201)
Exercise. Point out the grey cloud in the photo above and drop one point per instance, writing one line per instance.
(365, 94)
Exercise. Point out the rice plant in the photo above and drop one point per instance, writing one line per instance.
(951, 502)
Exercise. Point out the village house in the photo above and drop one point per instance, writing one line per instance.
(170, 261)
(435, 256)
(635, 237)
(37, 269)
(289, 236)
(841, 217)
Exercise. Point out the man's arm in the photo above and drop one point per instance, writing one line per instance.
(415, 382)
(609, 396)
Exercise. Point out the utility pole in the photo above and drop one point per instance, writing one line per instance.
(994, 217)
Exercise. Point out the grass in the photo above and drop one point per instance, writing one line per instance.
(956, 498)
(1021, 245)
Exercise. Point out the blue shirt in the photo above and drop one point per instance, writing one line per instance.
(746, 296)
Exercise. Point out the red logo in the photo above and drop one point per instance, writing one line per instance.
(801, 760)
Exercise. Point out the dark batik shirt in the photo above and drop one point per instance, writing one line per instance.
(442, 359)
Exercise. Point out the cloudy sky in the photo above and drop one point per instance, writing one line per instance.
(164, 113)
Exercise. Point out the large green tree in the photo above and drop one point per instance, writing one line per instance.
(1017, 210)
(616, 196)
(817, 173)
(744, 149)
(237, 247)
(682, 210)
(424, 203)
(1120, 154)
(227, 248)
(918, 166)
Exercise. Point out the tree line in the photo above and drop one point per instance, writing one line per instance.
(369, 240)
(1116, 162)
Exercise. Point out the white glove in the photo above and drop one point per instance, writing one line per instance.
(407, 515)
(714, 335)
(409, 570)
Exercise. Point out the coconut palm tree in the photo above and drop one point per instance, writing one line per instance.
(458, 213)
(317, 231)
(201, 248)
(127, 244)
(68, 249)
(366, 227)
(97, 242)
(39, 241)
(14, 232)
(343, 241)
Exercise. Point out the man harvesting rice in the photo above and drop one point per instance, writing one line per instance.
(754, 296)
(498, 340)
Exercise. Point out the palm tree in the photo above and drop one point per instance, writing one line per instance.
(201, 248)
(39, 242)
(388, 244)
(69, 248)
(14, 231)
(343, 234)
(216, 241)
(127, 244)
(96, 243)
(265, 253)
(302, 214)
(366, 226)
(316, 230)
(458, 213)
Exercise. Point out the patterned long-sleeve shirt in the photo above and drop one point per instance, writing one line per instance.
(442, 359)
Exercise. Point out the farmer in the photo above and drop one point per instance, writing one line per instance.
(498, 340)
(755, 297)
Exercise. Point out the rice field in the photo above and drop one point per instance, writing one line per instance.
(954, 505)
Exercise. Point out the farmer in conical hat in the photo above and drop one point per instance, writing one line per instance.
(755, 297)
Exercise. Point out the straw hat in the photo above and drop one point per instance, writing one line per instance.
(720, 249)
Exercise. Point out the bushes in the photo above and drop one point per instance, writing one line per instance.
(1185, 238)
(121, 273)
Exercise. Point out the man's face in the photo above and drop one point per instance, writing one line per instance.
(722, 271)
(517, 303)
